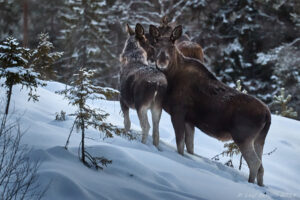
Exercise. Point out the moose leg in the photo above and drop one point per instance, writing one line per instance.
(253, 161)
(178, 124)
(142, 114)
(189, 137)
(125, 110)
(259, 146)
(259, 151)
(156, 114)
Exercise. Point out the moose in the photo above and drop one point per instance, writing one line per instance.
(196, 98)
(141, 87)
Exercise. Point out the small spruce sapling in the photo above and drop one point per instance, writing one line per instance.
(282, 100)
(17, 66)
(42, 58)
(79, 91)
(60, 116)
(231, 149)
(239, 87)
(15, 69)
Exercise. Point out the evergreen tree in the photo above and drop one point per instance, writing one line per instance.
(45, 18)
(283, 100)
(14, 68)
(79, 91)
(84, 37)
(42, 59)
(232, 32)
(285, 60)
(10, 17)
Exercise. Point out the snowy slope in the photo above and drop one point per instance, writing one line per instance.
(141, 171)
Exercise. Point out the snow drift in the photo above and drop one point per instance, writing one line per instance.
(141, 171)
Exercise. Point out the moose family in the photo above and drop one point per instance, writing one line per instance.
(164, 69)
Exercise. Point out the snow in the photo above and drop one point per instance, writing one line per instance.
(4, 47)
(93, 50)
(234, 47)
(141, 171)
(265, 58)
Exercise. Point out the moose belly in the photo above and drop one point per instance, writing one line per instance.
(215, 132)
(211, 123)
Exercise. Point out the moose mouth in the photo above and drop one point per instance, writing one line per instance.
(162, 65)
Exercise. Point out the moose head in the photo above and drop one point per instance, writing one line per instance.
(165, 49)
(143, 39)
(133, 50)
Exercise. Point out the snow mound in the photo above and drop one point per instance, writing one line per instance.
(142, 171)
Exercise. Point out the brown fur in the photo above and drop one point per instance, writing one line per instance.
(191, 49)
(196, 97)
(141, 87)
(184, 43)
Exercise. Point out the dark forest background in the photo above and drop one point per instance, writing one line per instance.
(256, 41)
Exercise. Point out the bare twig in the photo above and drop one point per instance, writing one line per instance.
(269, 153)
(18, 174)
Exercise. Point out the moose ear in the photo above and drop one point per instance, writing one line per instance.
(139, 30)
(154, 32)
(176, 33)
(129, 30)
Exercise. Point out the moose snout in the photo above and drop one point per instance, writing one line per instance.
(162, 60)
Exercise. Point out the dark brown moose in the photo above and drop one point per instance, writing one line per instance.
(141, 87)
(195, 97)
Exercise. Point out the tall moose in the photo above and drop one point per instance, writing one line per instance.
(196, 97)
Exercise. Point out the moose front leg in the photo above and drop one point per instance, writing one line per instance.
(156, 114)
(179, 126)
(142, 114)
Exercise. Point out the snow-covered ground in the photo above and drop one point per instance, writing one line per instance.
(141, 171)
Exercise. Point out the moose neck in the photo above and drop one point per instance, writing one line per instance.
(176, 59)
(183, 38)
(179, 61)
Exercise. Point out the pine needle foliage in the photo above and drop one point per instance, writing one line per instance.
(84, 36)
(78, 93)
(239, 87)
(15, 69)
(231, 149)
(42, 58)
(283, 100)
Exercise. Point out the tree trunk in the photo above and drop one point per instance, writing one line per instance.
(9, 92)
(82, 141)
(3, 122)
(25, 23)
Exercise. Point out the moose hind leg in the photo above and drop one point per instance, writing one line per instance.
(156, 114)
(125, 110)
(253, 161)
(189, 137)
(142, 114)
(259, 146)
(259, 150)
